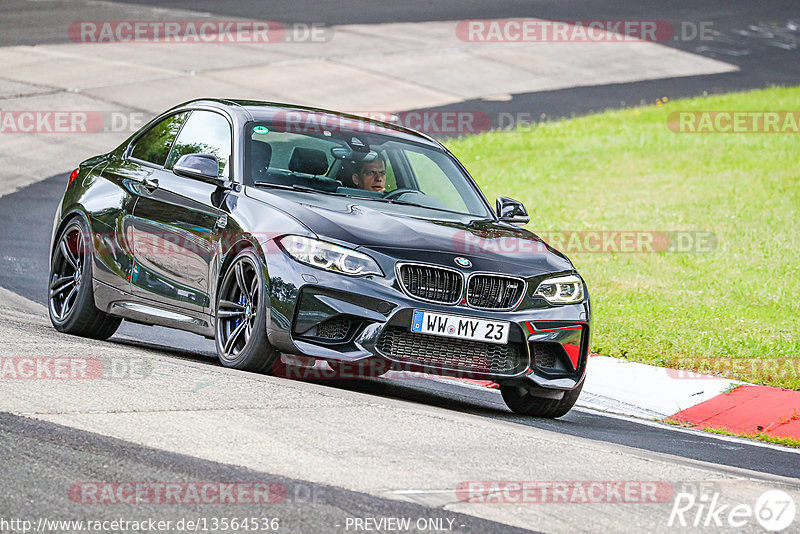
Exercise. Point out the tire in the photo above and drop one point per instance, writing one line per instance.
(526, 404)
(241, 331)
(70, 299)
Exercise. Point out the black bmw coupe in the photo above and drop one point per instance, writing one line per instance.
(278, 229)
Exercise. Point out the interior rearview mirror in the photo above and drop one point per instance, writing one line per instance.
(340, 152)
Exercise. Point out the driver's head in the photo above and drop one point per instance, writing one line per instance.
(371, 175)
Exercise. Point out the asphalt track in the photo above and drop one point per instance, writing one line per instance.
(741, 35)
(751, 35)
(73, 455)
(26, 215)
(37, 456)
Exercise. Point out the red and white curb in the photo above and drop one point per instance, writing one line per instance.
(704, 401)
(644, 391)
(648, 391)
(749, 410)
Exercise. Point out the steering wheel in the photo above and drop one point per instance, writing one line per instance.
(398, 192)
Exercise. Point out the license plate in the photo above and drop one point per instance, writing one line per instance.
(440, 324)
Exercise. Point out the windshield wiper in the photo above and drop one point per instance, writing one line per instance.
(306, 189)
(295, 187)
(395, 201)
(407, 203)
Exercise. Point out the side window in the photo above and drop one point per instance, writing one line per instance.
(434, 181)
(205, 132)
(155, 144)
(391, 181)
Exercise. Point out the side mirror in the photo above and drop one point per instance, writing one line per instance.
(511, 211)
(204, 167)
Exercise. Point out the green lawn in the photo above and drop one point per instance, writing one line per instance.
(734, 311)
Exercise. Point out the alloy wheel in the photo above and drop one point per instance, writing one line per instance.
(66, 277)
(237, 307)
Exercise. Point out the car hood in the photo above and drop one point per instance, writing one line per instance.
(375, 226)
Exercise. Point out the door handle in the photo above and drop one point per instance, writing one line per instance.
(150, 182)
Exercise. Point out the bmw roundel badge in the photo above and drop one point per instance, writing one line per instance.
(463, 262)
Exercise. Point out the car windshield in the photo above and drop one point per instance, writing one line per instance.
(367, 167)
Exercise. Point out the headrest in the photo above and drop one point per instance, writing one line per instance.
(308, 161)
(261, 154)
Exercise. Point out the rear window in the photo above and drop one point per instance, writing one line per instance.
(284, 143)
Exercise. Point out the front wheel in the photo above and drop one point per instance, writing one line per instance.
(241, 333)
(521, 401)
(70, 295)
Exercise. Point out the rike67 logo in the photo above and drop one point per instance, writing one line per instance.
(774, 511)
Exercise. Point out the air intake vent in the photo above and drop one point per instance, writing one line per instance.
(447, 353)
(334, 329)
(430, 283)
(490, 291)
(544, 354)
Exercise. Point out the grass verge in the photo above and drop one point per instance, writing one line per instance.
(733, 311)
(760, 436)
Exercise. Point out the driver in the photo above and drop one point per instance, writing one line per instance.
(371, 175)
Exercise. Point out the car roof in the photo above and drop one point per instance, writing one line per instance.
(255, 110)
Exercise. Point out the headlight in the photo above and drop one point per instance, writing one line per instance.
(561, 290)
(329, 256)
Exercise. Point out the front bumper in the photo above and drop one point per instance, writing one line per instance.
(329, 316)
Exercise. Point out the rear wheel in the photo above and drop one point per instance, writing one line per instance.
(241, 333)
(70, 297)
(521, 400)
